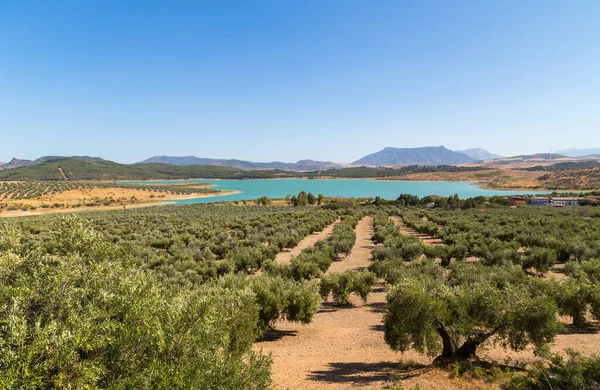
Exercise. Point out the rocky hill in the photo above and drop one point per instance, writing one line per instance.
(430, 155)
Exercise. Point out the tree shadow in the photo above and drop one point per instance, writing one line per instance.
(378, 328)
(361, 373)
(356, 373)
(377, 307)
(587, 328)
(332, 307)
(275, 335)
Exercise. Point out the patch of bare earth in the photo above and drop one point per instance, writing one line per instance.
(285, 257)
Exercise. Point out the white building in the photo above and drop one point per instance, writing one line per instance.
(565, 201)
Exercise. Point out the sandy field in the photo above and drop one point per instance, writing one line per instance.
(131, 198)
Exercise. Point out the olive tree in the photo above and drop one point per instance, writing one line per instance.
(342, 284)
(580, 291)
(455, 313)
(83, 318)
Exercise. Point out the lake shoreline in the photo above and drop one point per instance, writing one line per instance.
(480, 184)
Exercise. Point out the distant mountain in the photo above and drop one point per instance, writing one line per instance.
(17, 163)
(302, 165)
(431, 155)
(578, 152)
(479, 154)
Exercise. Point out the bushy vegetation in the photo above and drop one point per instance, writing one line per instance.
(85, 318)
(445, 307)
(452, 312)
(195, 243)
(342, 284)
(175, 296)
(313, 262)
(573, 373)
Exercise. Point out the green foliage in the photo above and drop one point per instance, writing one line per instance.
(478, 370)
(580, 291)
(193, 244)
(314, 261)
(302, 199)
(466, 306)
(83, 318)
(542, 259)
(341, 285)
(574, 373)
(278, 298)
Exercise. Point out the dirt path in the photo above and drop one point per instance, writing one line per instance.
(360, 256)
(286, 256)
(424, 238)
(343, 347)
(63, 174)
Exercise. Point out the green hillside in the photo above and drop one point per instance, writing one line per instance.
(76, 169)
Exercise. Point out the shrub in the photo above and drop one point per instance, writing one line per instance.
(574, 373)
(341, 285)
(84, 319)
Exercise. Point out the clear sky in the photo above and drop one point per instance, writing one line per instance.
(286, 80)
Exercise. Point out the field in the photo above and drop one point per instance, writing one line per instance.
(30, 198)
(336, 296)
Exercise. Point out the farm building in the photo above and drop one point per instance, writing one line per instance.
(565, 201)
(517, 201)
(539, 201)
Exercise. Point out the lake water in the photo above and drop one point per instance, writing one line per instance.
(253, 189)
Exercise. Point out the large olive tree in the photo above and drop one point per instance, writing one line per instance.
(85, 318)
(453, 313)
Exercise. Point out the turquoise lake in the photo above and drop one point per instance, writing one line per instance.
(253, 189)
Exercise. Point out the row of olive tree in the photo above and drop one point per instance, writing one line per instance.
(88, 316)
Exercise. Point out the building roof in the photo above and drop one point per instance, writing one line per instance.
(566, 199)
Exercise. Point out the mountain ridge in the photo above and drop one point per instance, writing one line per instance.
(426, 156)
(301, 165)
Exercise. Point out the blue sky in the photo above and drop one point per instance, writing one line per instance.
(287, 80)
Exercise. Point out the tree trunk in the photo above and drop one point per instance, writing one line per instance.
(467, 350)
(579, 318)
(449, 346)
